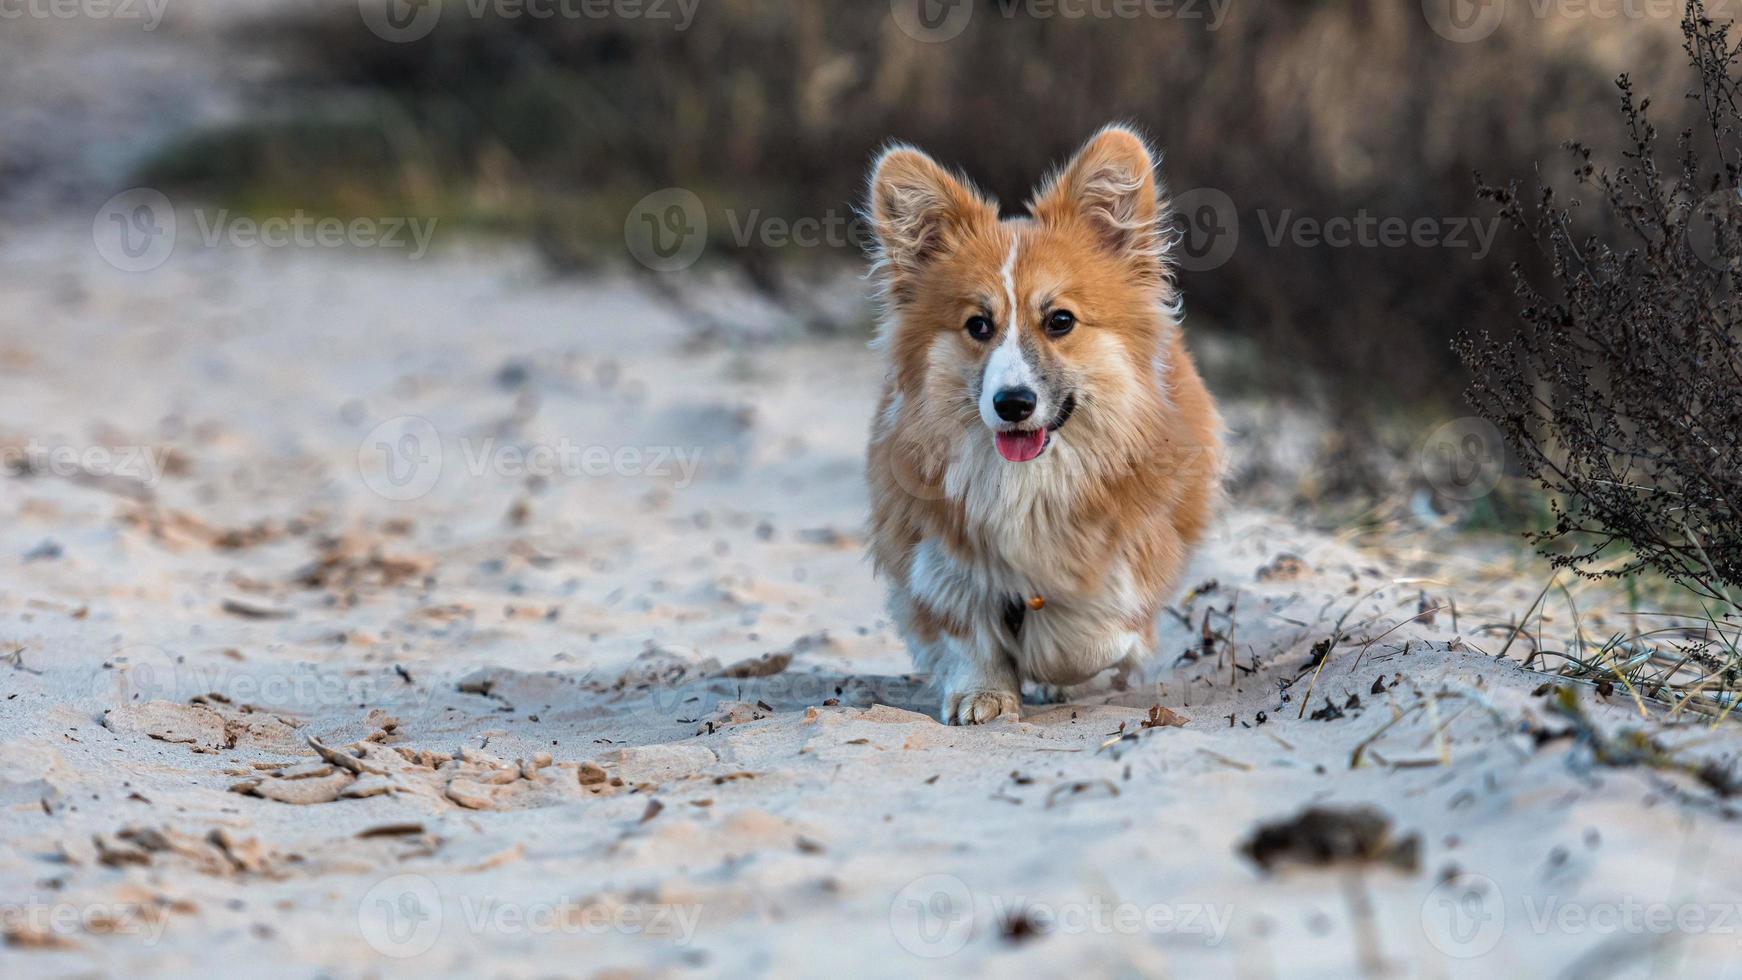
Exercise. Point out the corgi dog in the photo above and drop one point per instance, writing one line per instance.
(1044, 456)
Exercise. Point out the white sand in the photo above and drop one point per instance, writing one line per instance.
(683, 824)
(792, 837)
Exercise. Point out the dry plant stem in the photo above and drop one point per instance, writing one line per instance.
(1337, 634)
(1526, 618)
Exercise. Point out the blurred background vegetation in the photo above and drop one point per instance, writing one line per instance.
(552, 129)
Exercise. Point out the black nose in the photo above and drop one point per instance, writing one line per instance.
(1014, 404)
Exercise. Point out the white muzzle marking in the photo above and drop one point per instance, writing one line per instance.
(1008, 367)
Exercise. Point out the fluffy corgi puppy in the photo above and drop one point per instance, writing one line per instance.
(1045, 456)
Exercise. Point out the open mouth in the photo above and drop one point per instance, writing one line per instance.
(1023, 445)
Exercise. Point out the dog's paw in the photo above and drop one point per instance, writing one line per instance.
(979, 707)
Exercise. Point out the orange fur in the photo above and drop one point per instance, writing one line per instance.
(1101, 524)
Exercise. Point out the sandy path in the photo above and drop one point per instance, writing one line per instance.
(406, 586)
(88, 98)
(260, 496)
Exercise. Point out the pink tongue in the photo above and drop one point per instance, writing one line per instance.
(1020, 447)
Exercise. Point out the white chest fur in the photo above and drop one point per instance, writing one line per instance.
(1074, 635)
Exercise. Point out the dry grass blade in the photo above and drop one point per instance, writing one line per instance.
(1525, 619)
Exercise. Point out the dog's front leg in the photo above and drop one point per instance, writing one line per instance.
(977, 679)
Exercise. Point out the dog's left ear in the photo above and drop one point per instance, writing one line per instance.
(1110, 184)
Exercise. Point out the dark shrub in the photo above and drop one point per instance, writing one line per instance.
(1303, 111)
(1622, 391)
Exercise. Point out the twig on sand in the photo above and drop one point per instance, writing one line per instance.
(1429, 703)
(1360, 901)
(1071, 790)
(1525, 619)
(1337, 636)
(1369, 644)
(1224, 760)
(1355, 757)
(1233, 651)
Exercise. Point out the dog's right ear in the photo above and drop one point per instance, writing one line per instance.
(916, 208)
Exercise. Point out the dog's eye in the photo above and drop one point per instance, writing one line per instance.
(979, 328)
(1060, 322)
